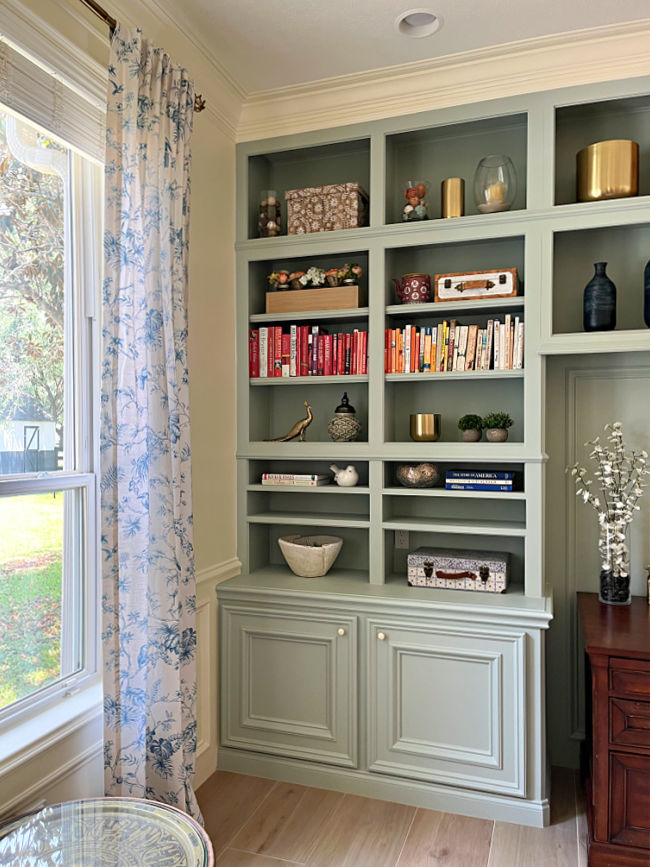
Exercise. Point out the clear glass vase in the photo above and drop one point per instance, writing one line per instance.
(495, 184)
(613, 545)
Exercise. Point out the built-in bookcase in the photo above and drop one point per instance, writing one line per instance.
(553, 249)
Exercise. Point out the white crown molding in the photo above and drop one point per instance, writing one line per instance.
(545, 63)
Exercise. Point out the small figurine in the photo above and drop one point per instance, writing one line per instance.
(298, 430)
(344, 427)
(346, 478)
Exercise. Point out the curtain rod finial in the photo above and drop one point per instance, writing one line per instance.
(199, 102)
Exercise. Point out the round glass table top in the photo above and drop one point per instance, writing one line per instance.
(111, 832)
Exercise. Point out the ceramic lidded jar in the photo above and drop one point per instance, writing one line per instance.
(344, 427)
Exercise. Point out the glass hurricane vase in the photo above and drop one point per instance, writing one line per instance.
(495, 184)
(614, 586)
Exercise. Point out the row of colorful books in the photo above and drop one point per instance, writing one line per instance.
(451, 346)
(479, 480)
(303, 480)
(306, 350)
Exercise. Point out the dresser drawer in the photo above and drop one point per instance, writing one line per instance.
(630, 677)
(629, 723)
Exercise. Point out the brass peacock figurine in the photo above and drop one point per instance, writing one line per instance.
(298, 430)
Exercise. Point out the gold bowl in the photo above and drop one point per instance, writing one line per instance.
(425, 427)
(608, 170)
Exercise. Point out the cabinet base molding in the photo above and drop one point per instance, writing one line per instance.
(429, 796)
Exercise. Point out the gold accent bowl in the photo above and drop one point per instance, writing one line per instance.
(608, 170)
(425, 427)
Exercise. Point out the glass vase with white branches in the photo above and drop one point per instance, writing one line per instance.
(619, 476)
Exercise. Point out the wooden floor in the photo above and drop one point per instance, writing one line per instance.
(260, 823)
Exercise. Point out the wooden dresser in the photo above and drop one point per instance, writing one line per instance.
(617, 760)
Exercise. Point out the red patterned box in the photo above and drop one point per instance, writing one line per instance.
(326, 208)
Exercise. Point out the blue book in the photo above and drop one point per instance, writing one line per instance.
(500, 475)
(462, 486)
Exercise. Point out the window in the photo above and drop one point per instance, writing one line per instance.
(49, 201)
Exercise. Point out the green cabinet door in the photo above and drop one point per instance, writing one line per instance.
(289, 683)
(446, 703)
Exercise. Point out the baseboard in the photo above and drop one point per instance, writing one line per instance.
(429, 796)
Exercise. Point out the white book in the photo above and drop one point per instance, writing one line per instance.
(520, 346)
(497, 345)
(293, 356)
(264, 352)
(515, 342)
(506, 342)
(407, 349)
(461, 358)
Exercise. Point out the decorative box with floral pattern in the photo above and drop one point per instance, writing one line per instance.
(480, 571)
(326, 208)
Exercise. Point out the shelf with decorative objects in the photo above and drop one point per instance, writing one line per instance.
(513, 240)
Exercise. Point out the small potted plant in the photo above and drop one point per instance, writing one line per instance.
(496, 426)
(332, 277)
(471, 427)
(295, 281)
(278, 280)
(313, 277)
(349, 274)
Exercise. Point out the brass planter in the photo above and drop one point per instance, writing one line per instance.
(425, 427)
(608, 170)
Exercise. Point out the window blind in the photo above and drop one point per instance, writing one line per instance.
(41, 96)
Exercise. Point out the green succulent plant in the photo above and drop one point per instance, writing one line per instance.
(471, 421)
(499, 420)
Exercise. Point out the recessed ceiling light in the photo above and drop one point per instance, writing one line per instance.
(418, 23)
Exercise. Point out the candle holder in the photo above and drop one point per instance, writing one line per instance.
(495, 184)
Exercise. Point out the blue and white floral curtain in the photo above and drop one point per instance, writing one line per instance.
(148, 588)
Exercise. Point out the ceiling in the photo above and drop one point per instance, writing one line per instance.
(266, 44)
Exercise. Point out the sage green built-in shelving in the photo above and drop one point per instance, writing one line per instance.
(364, 607)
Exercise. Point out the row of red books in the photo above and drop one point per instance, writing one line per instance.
(306, 350)
(450, 346)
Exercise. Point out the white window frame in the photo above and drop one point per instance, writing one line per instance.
(51, 711)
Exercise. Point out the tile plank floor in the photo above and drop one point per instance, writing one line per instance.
(260, 823)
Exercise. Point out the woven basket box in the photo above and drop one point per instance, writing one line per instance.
(478, 571)
(326, 208)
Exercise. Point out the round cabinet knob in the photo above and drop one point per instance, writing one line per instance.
(341, 631)
(381, 636)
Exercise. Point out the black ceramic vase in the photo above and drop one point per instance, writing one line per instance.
(646, 295)
(599, 301)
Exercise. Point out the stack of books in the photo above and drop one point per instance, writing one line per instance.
(479, 480)
(304, 480)
(306, 351)
(450, 346)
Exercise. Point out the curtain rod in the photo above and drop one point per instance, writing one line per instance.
(199, 102)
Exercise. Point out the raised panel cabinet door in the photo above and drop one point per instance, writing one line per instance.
(447, 704)
(629, 801)
(289, 684)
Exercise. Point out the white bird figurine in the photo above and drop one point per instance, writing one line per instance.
(346, 478)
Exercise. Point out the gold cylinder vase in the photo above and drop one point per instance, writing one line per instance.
(608, 170)
(425, 427)
(452, 197)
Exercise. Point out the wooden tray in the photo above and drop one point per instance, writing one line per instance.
(300, 300)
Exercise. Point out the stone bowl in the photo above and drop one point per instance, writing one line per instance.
(310, 556)
(418, 476)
